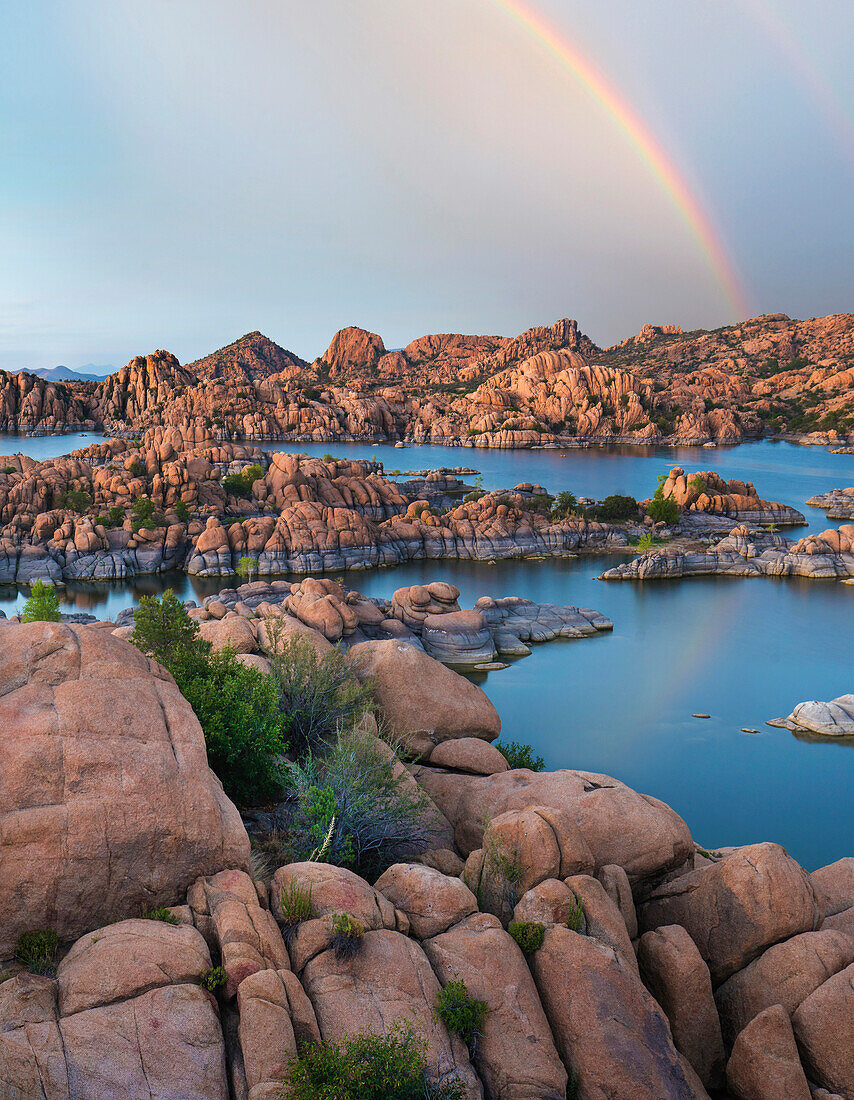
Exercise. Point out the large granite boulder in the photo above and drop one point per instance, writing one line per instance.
(515, 1056)
(735, 909)
(607, 1027)
(619, 826)
(764, 1064)
(107, 804)
(420, 700)
(126, 1018)
(824, 1028)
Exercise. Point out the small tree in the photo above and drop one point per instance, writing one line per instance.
(42, 605)
(246, 567)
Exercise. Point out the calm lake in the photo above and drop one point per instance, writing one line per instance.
(741, 650)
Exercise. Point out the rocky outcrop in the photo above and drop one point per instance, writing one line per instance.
(833, 719)
(707, 492)
(836, 504)
(819, 557)
(108, 807)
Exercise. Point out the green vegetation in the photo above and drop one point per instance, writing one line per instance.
(462, 1013)
(616, 507)
(238, 707)
(528, 934)
(75, 500)
(645, 542)
(42, 606)
(144, 515)
(240, 485)
(565, 504)
(662, 509)
(575, 919)
(247, 566)
(295, 904)
(161, 913)
(348, 808)
(322, 695)
(519, 755)
(697, 484)
(329, 458)
(136, 468)
(367, 1067)
(347, 935)
(115, 517)
(10, 470)
(312, 393)
(213, 978)
(181, 511)
(37, 951)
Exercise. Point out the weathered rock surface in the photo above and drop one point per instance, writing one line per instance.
(707, 492)
(107, 804)
(678, 978)
(764, 1064)
(759, 896)
(515, 1056)
(421, 701)
(824, 1028)
(431, 901)
(620, 826)
(629, 1053)
(836, 504)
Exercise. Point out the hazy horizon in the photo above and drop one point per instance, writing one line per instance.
(176, 174)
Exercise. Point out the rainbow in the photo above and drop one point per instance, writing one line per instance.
(662, 167)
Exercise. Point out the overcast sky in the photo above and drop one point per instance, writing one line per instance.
(174, 173)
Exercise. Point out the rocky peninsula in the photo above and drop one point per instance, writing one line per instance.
(551, 386)
(836, 504)
(173, 962)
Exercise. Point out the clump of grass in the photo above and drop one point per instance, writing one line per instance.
(575, 918)
(37, 950)
(347, 935)
(528, 934)
(161, 913)
(519, 755)
(213, 978)
(295, 903)
(462, 1013)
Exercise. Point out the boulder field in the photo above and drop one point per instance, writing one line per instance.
(550, 386)
(210, 504)
(660, 970)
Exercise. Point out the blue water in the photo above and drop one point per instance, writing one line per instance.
(742, 650)
(46, 446)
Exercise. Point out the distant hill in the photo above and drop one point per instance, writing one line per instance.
(252, 357)
(89, 373)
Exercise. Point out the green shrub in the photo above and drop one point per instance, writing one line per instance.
(367, 1067)
(575, 919)
(320, 695)
(10, 469)
(245, 731)
(237, 707)
(476, 494)
(329, 458)
(37, 950)
(519, 755)
(42, 606)
(312, 393)
(136, 468)
(161, 913)
(181, 511)
(76, 500)
(212, 978)
(143, 514)
(462, 1013)
(347, 935)
(697, 484)
(349, 808)
(240, 485)
(663, 509)
(617, 507)
(528, 934)
(295, 903)
(645, 542)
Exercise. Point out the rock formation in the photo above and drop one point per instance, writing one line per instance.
(836, 504)
(707, 492)
(549, 386)
(833, 719)
(743, 970)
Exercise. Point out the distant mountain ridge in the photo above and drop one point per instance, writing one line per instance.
(89, 373)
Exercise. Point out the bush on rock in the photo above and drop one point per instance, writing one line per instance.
(518, 755)
(367, 1067)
